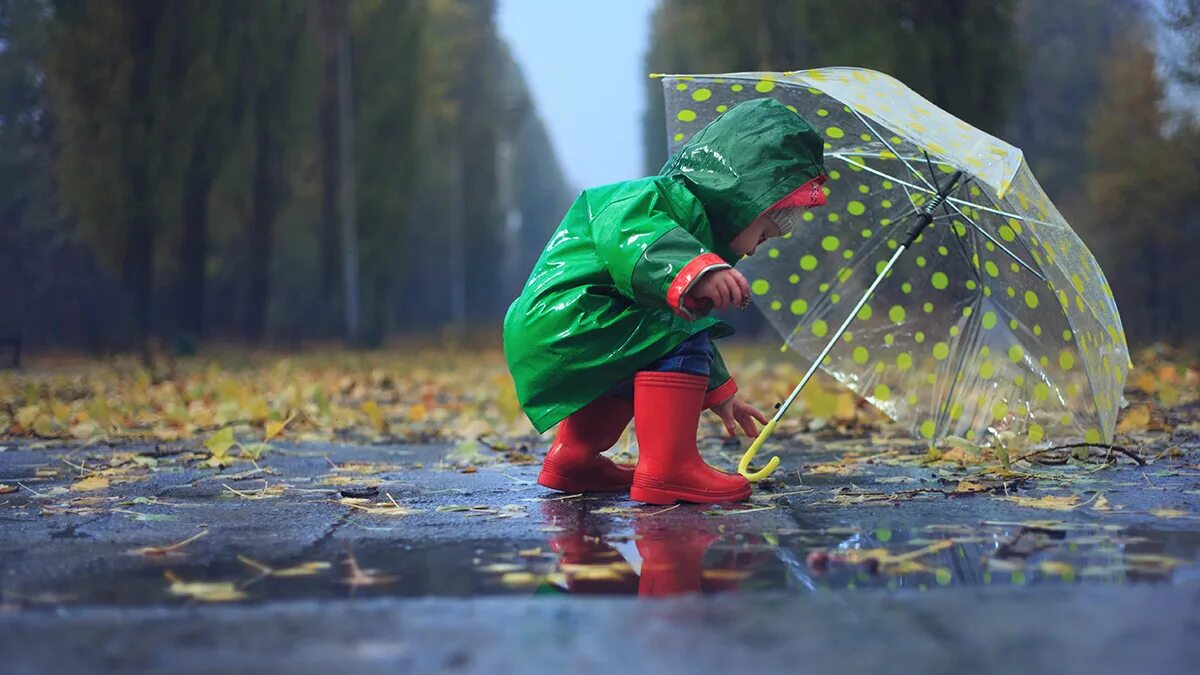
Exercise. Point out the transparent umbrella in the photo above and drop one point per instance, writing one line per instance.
(939, 281)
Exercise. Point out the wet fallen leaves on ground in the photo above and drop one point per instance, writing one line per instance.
(110, 427)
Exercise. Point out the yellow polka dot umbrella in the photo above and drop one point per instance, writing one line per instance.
(938, 281)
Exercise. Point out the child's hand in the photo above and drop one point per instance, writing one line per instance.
(723, 288)
(732, 410)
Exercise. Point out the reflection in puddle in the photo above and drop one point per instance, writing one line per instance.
(687, 553)
(585, 550)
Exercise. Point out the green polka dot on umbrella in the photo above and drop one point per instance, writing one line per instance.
(991, 321)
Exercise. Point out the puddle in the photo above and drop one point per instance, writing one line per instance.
(643, 554)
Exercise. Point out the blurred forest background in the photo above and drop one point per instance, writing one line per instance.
(288, 171)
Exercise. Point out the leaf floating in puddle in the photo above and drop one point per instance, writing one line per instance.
(1068, 503)
(1151, 563)
(501, 568)
(1058, 568)
(726, 575)
(610, 572)
(165, 550)
(615, 511)
(363, 577)
(205, 591)
(520, 579)
(5, 489)
(305, 569)
(1170, 513)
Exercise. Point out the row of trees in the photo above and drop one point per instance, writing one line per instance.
(285, 169)
(1077, 84)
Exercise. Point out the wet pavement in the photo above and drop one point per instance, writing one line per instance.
(867, 554)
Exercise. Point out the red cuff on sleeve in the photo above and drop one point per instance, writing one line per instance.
(687, 276)
(721, 393)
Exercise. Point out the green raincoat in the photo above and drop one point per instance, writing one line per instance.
(605, 297)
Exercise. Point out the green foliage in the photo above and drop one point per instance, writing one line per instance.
(1065, 46)
(961, 55)
(1143, 184)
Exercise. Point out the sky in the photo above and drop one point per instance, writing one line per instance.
(583, 62)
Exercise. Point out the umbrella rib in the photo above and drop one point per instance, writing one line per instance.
(843, 155)
(903, 183)
(1000, 213)
(883, 140)
(987, 235)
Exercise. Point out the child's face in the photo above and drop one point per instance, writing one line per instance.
(759, 231)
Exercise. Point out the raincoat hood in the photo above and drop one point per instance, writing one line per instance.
(746, 160)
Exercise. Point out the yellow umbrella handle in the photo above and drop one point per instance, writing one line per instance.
(744, 465)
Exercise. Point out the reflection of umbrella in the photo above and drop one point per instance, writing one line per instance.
(998, 327)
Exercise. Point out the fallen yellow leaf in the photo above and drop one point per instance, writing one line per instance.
(28, 415)
(966, 486)
(371, 408)
(1169, 513)
(273, 429)
(417, 412)
(1168, 394)
(90, 484)
(1146, 383)
(219, 444)
(1136, 419)
(1068, 503)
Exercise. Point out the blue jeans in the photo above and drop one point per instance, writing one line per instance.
(693, 356)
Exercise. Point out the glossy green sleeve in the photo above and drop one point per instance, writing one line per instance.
(652, 259)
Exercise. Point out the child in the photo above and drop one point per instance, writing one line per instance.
(611, 324)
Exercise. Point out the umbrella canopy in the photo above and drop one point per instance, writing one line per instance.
(998, 325)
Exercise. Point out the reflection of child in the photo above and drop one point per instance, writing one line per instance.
(615, 308)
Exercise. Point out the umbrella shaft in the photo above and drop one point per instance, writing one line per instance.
(841, 329)
(925, 217)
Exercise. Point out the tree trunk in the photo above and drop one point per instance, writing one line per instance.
(139, 244)
(346, 189)
(330, 151)
(197, 183)
(262, 218)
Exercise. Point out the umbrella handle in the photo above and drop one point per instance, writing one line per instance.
(744, 465)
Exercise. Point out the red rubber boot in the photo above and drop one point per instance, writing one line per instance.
(667, 414)
(574, 463)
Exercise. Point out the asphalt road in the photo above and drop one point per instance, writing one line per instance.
(874, 564)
